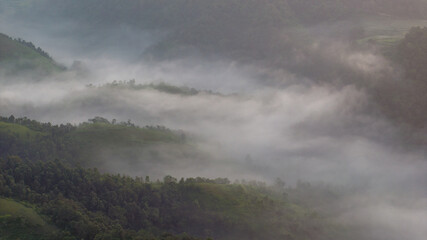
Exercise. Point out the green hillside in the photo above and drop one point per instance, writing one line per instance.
(85, 204)
(18, 221)
(46, 166)
(17, 56)
(95, 143)
(22, 132)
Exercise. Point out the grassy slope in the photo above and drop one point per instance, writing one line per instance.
(18, 221)
(21, 57)
(22, 132)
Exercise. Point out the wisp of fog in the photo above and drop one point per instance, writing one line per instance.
(254, 120)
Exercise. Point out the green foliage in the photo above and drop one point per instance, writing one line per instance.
(81, 144)
(10, 207)
(18, 221)
(91, 205)
(23, 133)
(84, 203)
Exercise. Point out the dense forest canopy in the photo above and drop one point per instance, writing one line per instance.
(86, 204)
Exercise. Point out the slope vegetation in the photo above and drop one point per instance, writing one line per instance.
(17, 56)
(85, 204)
(18, 221)
(97, 143)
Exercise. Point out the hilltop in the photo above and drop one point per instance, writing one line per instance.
(18, 56)
(97, 143)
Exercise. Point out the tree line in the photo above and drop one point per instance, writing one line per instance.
(85, 204)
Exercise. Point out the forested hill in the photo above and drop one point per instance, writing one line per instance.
(45, 193)
(18, 56)
(98, 142)
(76, 203)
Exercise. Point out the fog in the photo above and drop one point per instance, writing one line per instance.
(309, 115)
